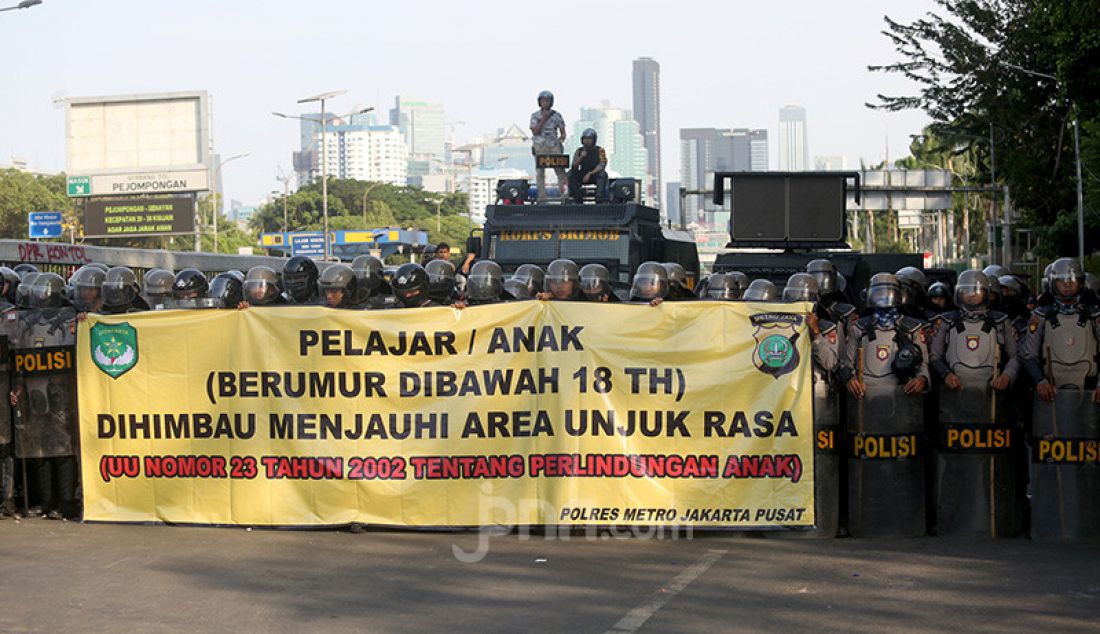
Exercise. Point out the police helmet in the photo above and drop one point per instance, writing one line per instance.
(120, 287)
(47, 290)
(677, 275)
(157, 286)
(11, 278)
(742, 281)
(99, 265)
(884, 291)
(562, 278)
(939, 289)
(368, 274)
(190, 284)
(23, 268)
(761, 290)
(485, 282)
(824, 272)
(589, 133)
(336, 286)
(995, 270)
(1092, 282)
(1012, 286)
(723, 286)
(546, 94)
(517, 289)
(300, 278)
(912, 282)
(973, 290)
(801, 287)
(226, 291)
(441, 280)
(595, 281)
(1062, 272)
(410, 285)
(650, 281)
(261, 285)
(86, 286)
(23, 291)
(532, 276)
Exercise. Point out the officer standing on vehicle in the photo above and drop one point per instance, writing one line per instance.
(1060, 353)
(589, 166)
(45, 400)
(547, 137)
(974, 355)
(886, 373)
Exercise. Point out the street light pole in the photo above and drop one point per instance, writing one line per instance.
(25, 4)
(324, 160)
(1077, 152)
(213, 202)
(365, 194)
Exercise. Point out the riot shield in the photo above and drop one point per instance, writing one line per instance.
(1065, 468)
(886, 462)
(45, 369)
(5, 388)
(975, 477)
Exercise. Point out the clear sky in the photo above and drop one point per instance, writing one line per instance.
(723, 64)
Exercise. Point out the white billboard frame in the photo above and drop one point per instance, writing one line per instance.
(202, 125)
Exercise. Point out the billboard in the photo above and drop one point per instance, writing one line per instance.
(138, 216)
(139, 183)
(137, 134)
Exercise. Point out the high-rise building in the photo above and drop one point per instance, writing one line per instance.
(647, 112)
(672, 203)
(422, 126)
(619, 135)
(704, 151)
(365, 152)
(794, 150)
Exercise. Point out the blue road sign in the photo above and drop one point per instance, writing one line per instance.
(44, 224)
(311, 245)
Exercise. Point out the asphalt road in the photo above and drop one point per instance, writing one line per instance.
(69, 576)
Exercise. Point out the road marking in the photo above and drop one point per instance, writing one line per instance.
(639, 615)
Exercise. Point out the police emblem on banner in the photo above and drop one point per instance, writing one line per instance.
(776, 333)
(114, 348)
(972, 342)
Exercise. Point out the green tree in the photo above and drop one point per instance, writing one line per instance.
(965, 61)
(22, 192)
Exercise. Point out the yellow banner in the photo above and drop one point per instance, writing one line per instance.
(696, 413)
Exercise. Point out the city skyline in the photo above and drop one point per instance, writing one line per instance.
(261, 72)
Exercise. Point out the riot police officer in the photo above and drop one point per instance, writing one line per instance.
(974, 354)
(484, 284)
(371, 289)
(650, 284)
(831, 298)
(562, 281)
(939, 296)
(157, 288)
(532, 276)
(441, 281)
(226, 291)
(336, 286)
(261, 288)
(86, 288)
(802, 287)
(596, 284)
(300, 280)
(189, 288)
(410, 286)
(45, 401)
(722, 286)
(677, 281)
(121, 292)
(9, 320)
(1060, 353)
(761, 290)
(886, 373)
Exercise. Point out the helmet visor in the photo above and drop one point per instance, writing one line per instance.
(648, 286)
(883, 297)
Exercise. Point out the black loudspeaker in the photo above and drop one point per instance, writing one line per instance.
(805, 209)
(512, 192)
(623, 190)
(816, 206)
